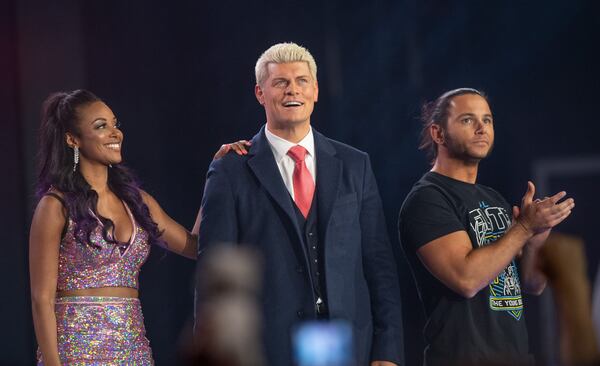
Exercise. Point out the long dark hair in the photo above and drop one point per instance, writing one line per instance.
(59, 116)
(436, 112)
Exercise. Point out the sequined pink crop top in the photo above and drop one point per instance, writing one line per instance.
(102, 264)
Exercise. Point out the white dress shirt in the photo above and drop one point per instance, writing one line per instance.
(285, 163)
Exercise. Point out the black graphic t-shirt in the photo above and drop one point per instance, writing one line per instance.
(489, 328)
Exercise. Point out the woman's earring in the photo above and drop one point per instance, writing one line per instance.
(75, 157)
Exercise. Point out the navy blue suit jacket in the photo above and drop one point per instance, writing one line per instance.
(245, 201)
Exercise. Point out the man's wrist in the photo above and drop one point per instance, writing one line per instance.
(522, 230)
(525, 226)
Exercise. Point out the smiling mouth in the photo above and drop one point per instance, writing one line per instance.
(114, 146)
(292, 103)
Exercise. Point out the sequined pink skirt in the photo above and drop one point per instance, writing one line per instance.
(98, 330)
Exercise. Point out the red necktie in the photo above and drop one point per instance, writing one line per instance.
(304, 186)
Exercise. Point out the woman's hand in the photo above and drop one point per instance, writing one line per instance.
(239, 147)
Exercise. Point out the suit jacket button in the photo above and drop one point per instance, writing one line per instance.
(300, 313)
(299, 269)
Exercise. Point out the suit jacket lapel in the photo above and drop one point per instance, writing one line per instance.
(263, 164)
(329, 169)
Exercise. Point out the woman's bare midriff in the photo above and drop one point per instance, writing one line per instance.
(101, 291)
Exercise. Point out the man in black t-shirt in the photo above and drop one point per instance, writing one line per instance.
(470, 253)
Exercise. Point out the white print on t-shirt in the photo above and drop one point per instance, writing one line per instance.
(511, 285)
(489, 224)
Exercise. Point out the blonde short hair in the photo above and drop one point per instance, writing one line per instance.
(282, 53)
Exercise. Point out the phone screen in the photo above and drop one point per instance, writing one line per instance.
(323, 343)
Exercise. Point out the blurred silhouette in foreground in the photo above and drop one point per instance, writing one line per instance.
(563, 261)
(228, 320)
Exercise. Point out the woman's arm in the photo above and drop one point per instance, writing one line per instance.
(178, 239)
(44, 242)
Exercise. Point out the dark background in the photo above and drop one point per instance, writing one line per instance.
(180, 75)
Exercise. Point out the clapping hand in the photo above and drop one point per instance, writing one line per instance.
(539, 216)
